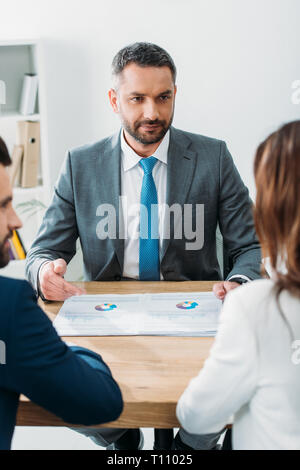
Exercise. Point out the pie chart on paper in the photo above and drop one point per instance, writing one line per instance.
(187, 305)
(105, 307)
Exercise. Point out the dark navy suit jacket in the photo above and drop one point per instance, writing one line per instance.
(73, 383)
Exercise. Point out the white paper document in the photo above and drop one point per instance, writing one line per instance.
(172, 314)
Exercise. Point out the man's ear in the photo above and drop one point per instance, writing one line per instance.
(112, 94)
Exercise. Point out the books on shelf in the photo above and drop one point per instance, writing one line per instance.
(29, 93)
(16, 249)
(28, 136)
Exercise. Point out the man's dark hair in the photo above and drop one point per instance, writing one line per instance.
(4, 155)
(143, 54)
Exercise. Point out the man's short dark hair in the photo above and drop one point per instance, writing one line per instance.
(4, 155)
(144, 54)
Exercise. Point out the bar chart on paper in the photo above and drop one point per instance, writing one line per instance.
(167, 314)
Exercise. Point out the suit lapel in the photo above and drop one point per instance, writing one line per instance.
(111, 168)
(180, 171)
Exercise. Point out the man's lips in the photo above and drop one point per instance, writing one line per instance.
(150, 127)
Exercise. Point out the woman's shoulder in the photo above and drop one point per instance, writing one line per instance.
(257, 299)
(252, 297)
(259, 286)
(254, 290)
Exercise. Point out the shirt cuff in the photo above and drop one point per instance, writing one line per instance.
(239, 276)
(39, 292)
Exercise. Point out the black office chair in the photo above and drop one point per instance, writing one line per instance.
(163, 438)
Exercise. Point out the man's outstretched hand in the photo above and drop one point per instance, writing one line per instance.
(220, 289)
(52, 283)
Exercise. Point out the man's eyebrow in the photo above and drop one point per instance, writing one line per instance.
(136, 93)
(5, 201)
(167, 92)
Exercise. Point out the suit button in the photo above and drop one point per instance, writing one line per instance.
(117, 277)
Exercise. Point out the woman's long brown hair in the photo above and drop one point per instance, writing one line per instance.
(277, 211)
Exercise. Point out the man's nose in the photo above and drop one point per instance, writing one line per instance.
(14, 223)
(150, 111)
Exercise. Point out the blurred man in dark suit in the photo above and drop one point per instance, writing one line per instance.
(74, 383)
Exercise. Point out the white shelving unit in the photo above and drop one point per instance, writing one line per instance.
(13, 115)
(17, 58)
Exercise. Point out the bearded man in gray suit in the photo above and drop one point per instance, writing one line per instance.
(192, 183)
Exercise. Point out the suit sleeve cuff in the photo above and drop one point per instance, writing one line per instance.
(239, 276)
(39, 291)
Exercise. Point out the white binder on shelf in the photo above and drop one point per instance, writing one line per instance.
(29, 94)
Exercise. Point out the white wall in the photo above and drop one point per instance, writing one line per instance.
(236, 59)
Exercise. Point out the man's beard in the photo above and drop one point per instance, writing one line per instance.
(152, 137)
(4, 253)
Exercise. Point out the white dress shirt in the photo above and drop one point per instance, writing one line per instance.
(131, 184)
(253, 373)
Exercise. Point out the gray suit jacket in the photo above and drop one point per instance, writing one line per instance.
(200, 170)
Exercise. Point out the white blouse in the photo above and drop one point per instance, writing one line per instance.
(252, 374)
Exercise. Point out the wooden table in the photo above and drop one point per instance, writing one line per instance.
(152, 371)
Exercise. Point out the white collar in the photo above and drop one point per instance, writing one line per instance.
(131, 158)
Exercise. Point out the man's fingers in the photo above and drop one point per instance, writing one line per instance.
(70, 289)
(59, 266)
(59, 285)
(61, 292)
(219, 290)
(53, 285)
(229, 285)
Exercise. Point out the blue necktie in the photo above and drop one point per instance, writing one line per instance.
(149, 237)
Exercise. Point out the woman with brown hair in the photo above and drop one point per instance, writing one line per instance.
(253, 371)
